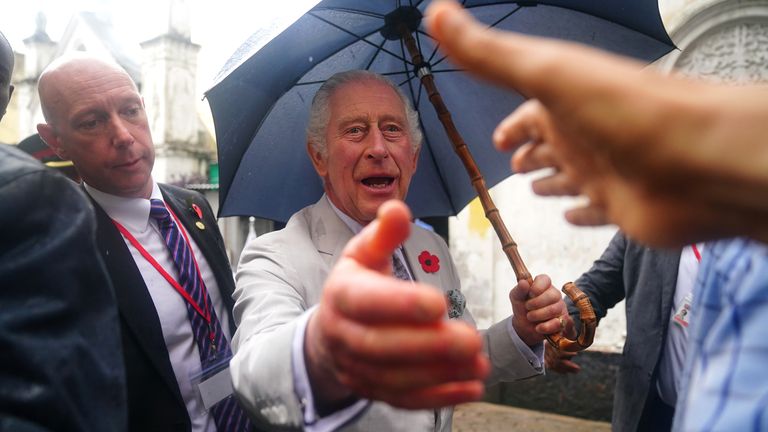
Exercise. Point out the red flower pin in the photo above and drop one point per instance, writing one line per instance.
(198, 212)
(429, 263)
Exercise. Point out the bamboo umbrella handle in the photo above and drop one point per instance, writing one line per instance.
(508, 245)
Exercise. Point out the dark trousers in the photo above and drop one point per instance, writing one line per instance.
(657, 416)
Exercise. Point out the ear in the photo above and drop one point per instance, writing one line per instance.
(49, 137)
(318, 161)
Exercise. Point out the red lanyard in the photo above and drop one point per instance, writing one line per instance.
(696, 252)
(204, 312)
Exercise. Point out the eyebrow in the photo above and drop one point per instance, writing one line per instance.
(366, 118)
(97, 110)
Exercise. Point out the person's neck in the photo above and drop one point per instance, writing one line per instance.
(144, 193)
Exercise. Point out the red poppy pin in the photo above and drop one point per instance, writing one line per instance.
(429, 263)
(198, 212)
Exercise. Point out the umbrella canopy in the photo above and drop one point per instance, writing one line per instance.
(260, 100)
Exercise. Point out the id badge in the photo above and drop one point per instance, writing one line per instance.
(683, 313)
(213, 382)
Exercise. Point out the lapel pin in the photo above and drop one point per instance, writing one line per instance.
(198, 212)
(200, 225)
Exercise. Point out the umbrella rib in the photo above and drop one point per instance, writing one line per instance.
(359, 38)
(375, 54)
(349, 10)
(505, 16)
(490, 26)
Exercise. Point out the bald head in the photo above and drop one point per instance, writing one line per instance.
(6, 70)
(95, 117)
(66, 76)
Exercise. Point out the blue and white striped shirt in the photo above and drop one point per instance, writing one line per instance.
(725, 384)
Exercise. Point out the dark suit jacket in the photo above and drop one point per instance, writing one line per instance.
(154, 400)
(61, 366)
(646, 278)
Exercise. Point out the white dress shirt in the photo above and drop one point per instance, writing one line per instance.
(133, 214)
(312, 421)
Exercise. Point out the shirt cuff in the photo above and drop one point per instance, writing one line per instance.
(303, 389)
(534, 355)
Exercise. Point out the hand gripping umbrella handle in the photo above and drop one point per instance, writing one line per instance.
(588, 320)
(588, 323)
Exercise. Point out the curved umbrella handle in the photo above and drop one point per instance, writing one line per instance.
(588, 322)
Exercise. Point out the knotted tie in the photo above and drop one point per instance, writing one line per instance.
(398, 268)
(227, 414)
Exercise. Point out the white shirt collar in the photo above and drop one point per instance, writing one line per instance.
(133, 213)
(356, 227)
(353, 225)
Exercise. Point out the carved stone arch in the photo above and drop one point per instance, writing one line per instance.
(723, 41)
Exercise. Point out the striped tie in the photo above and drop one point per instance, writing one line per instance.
(227, 414)
(398, 268)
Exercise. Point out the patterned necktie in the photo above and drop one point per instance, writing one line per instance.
(227, 414)
(398, 268)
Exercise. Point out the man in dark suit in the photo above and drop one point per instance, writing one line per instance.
(61, 366)
(657, 286)
(162, 248)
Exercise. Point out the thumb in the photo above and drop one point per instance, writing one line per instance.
(536, 67)
(518, 297)
(373, 247)
(461, 38)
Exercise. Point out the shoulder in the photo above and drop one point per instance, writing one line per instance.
(16, 164)
(295, 232)
(180, 193)
(25, 181)
(425, 237)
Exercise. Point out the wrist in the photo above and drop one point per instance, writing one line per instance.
(327, 392)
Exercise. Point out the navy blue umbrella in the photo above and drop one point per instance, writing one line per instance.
(260, 100)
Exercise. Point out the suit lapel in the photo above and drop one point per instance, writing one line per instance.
(329, 233)
(669, 264)
(413, 248)
(135, 304)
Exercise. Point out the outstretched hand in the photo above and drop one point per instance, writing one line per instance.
(381, 338)
(652, 153)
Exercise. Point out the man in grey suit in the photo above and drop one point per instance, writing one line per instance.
(657, 285)
(326, 339)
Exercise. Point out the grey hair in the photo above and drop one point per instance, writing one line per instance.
(320, 112)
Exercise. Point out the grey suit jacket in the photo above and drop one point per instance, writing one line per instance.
(646, 278)
(281, 275)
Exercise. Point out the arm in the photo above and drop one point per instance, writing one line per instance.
(370, 336)
(604, 285)
(58, 319)
(671, 161)
(604, 282)
(270, 299)
(510, 356)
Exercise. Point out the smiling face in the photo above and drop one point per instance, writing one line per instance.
(369, 157)
(96, 119)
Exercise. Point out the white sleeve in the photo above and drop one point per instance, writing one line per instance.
(312, 422)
